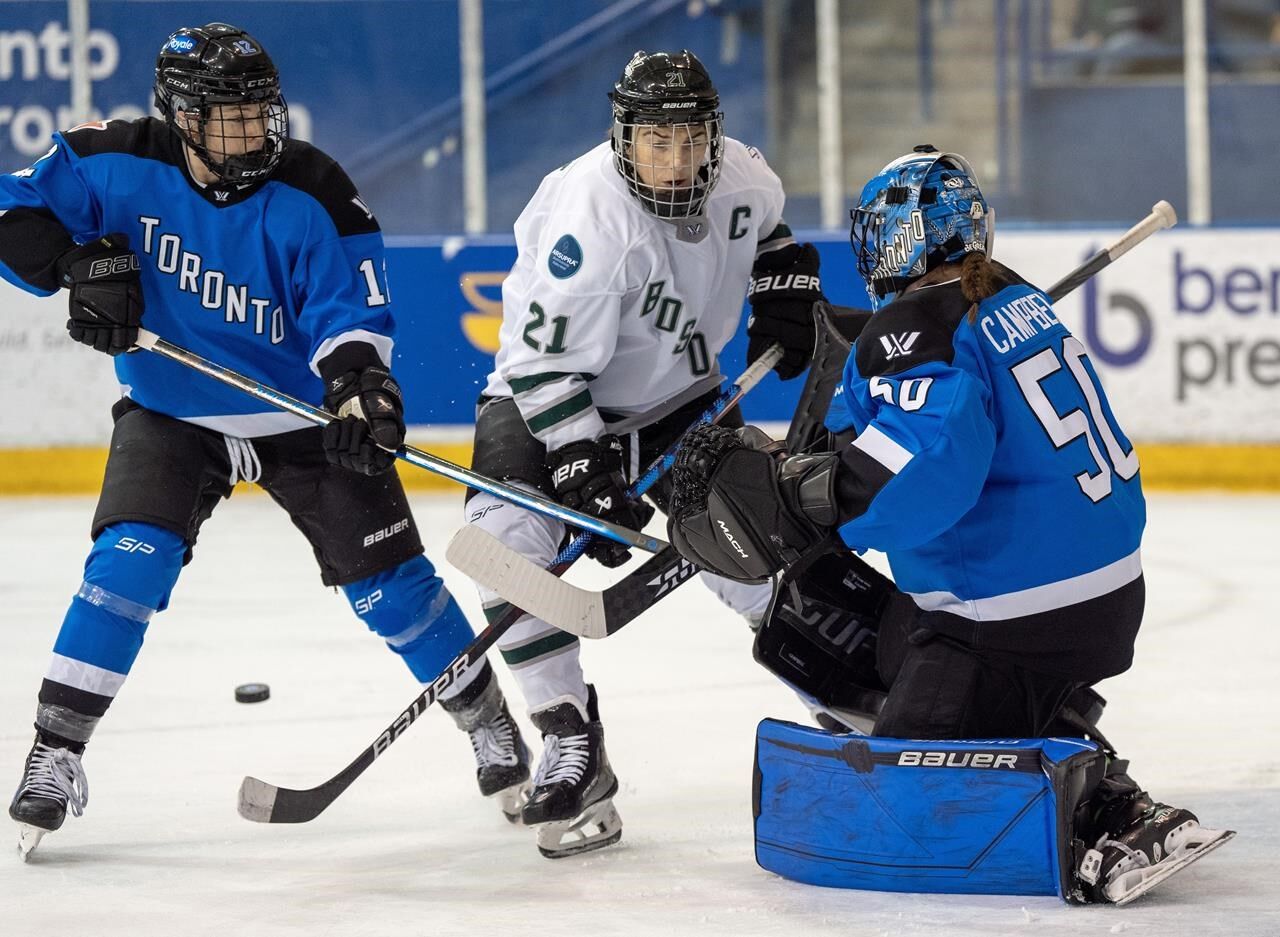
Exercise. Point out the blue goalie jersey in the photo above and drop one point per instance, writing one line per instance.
(265, 279)
(992, 471)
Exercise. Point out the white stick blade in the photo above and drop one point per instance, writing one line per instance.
(526, 585)
(257, 800)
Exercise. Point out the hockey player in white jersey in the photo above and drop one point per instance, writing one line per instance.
(632, 267)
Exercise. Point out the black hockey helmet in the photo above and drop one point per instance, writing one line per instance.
(673, 90)
(201, 68)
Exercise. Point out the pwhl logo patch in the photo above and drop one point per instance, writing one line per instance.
(900, 345)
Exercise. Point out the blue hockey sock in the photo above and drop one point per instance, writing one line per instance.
(410, 608)
(128, 577)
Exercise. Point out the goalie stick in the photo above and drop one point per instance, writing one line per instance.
(598, 614)
(262, 802)
(533, 502)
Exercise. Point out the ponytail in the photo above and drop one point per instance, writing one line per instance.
(979, 279)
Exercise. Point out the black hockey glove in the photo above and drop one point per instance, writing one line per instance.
(741, 511)
(368, 401)
(587, 475)
(784, 287)
(106, 293)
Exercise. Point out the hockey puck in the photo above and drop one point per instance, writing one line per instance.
(252, 692)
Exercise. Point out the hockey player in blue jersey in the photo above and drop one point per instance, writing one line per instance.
(256, 250)
(974, 445)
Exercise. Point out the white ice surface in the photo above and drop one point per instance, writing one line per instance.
(411, 849)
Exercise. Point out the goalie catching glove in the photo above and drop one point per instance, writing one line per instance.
(740, 510)
(587, 475)
(106, 293)
(366, 398)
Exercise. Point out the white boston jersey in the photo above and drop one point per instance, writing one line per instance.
(611, 309)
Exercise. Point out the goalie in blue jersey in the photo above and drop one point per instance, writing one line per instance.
(232, 240)
(973, 443)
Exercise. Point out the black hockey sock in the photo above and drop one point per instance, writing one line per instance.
(471, 692)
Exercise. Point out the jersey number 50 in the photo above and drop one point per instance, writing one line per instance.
(1065, 429)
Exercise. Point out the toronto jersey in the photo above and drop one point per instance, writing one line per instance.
(996, 476)
(609, 309)
(265, 279)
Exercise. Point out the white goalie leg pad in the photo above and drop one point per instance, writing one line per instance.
(596, 827)
(1184, 845)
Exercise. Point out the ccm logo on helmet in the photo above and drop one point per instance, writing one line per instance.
(956, 760)
(728, 535)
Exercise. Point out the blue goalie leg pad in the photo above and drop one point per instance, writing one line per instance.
(410, 608)
(972, 817)
(128, 576)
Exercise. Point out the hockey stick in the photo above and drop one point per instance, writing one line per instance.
(267, 803)
(1162, 216)
(598, 614)
(533, 502)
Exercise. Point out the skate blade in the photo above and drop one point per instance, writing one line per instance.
(28, 839)
(1143, 880)
(596, 827)
(511, 801)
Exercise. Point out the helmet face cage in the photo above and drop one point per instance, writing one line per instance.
(220, 93)
(670, 167)
(668, 133)
(920, 211)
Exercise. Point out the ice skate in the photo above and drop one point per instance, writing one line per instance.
(53, 781)
(502, 757)
(1158, 841)
(572, 800)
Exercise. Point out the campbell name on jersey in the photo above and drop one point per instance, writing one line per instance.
(265, 279)
(994, 473)
(611, 315)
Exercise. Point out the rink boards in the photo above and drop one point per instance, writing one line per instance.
(1183, 331)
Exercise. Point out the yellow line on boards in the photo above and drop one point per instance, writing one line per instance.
(1165, 467)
